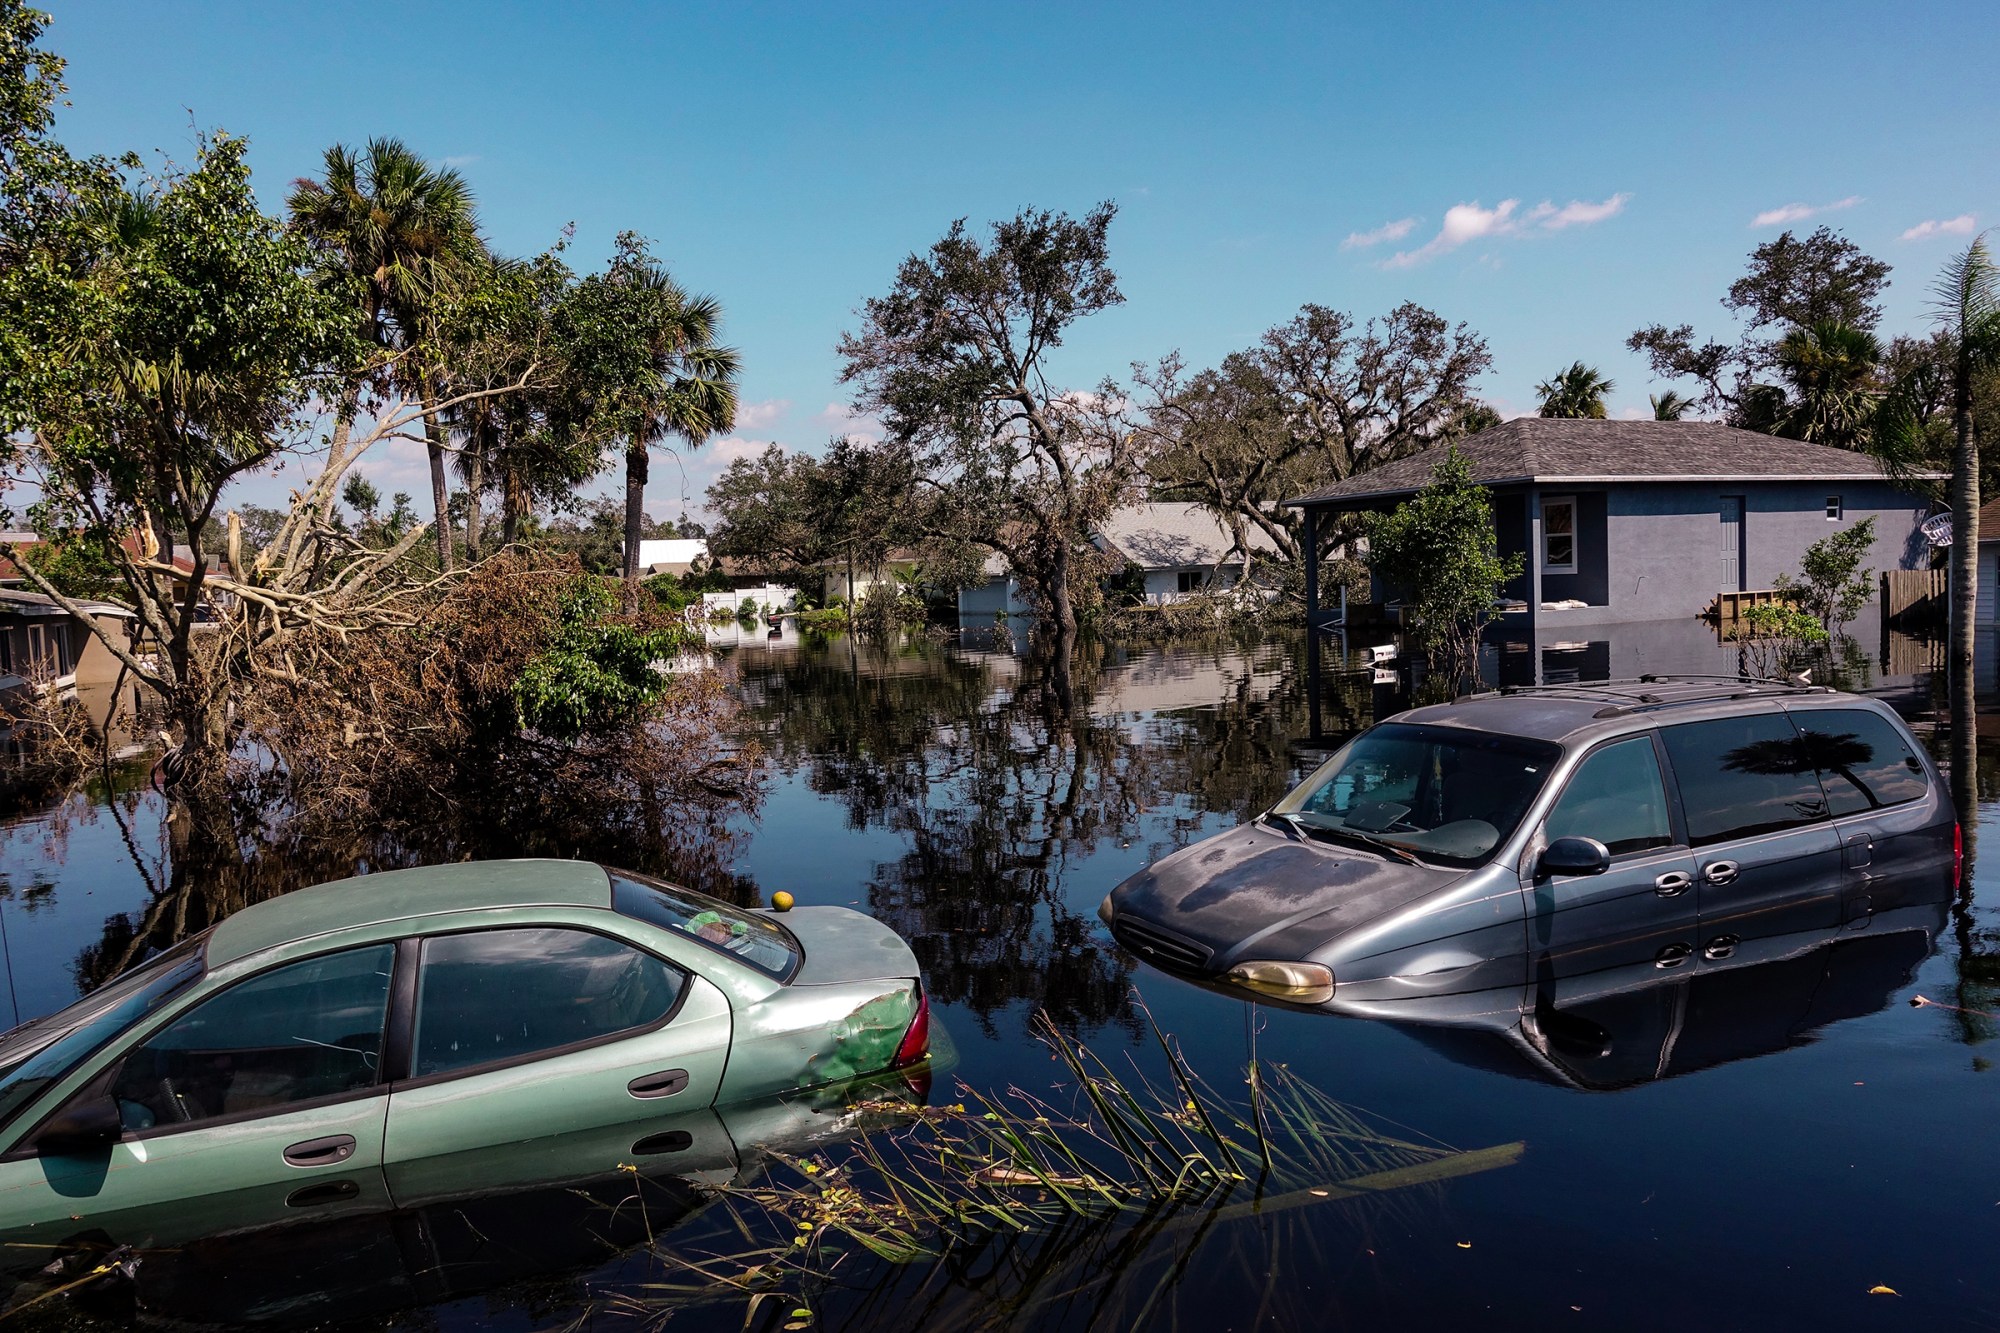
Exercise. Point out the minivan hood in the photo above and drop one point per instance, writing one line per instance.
(1236, 890)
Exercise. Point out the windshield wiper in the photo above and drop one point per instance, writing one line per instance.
(1292, 823)
(1304, 831)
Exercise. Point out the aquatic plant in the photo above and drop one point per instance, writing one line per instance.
(1103, 1199)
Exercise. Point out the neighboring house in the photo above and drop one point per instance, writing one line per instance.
(896, 569)
(41, 644)
(999, 594)
(1625, 521)
(675, 556)
(1181, 549)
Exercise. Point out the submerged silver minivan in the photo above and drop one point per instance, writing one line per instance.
(1572, 833)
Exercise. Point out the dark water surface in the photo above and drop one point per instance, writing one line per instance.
(1758, 1149)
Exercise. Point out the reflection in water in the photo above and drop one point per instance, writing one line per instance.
(1664, 1025)
(988, 826)
(991, 788)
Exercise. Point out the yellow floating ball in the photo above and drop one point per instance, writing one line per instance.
(782, 901)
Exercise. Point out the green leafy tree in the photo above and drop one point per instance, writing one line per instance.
(1318, 400)
(390, 229)
(599, 673)
(361, 496)
(643, 366)
(1834, 585)
(175, 341)
(957, 360)
(764, 512)
(1790, 283)
(1437, 551)
(401, 516)
(1575, 392)
(1830, 388)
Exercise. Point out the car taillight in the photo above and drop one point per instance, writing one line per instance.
(917, 1040)
(1957, 857)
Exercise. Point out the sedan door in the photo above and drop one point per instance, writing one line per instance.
(1593, 934)
(259, 1103)
(518, 1033)
(1769, 875)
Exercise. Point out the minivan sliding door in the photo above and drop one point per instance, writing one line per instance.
(1768, 872)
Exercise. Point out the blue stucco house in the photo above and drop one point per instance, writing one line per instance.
(1634, 521)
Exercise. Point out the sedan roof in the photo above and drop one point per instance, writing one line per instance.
(395, 895)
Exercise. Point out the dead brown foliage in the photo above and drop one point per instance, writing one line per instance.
(412, 751)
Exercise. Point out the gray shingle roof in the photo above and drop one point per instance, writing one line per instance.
(1170, 535)
(1553, 450)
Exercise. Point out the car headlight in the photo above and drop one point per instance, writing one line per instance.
(1306, 983)
(1104, 910)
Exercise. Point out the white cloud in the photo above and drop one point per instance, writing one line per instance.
(756, 416)
(1471, 222)
(1462, 223)
(1577, 212)
(460, 160)
(1388, 231)
(1959, 226)
(1799, 212)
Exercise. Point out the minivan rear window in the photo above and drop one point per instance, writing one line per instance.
(1863, 759)
(1741, 776)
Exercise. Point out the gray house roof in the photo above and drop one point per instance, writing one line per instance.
(1172, 536)
(1539, 449)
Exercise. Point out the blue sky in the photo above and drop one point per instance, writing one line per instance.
(785, 157)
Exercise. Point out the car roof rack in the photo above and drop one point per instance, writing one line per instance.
(1635, 694)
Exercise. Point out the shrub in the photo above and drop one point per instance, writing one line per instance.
(1836, 586)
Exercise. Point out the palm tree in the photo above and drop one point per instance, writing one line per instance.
(689, 388)
(1830, 372)
(395, 227)
(1669, 406)
(1967, 303)
(1576, 392)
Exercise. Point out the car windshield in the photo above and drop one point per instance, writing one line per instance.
(745, 936)
(36, 1054)
(1442, 793)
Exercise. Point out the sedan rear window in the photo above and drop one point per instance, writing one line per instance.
(1445, 793)
(494, 996)
(745, 936)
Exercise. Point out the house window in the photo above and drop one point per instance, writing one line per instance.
(1188, 580)
(1559, 535)
(45, 655)
(1833, 509)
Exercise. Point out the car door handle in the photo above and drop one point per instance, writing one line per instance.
(1722, 946)
(1673, 955)
(1720, 872)
(321, 1152)
(664, 1084)
(1673, 883)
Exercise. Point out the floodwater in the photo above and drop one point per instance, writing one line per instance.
(1796, 1144)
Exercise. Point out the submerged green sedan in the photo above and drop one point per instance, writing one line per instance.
(400, 1016)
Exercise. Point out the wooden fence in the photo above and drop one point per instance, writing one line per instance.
(1906, 589)
(1728, 607)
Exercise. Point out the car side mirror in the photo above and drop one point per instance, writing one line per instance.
(82, 1127)
(1575, 856)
